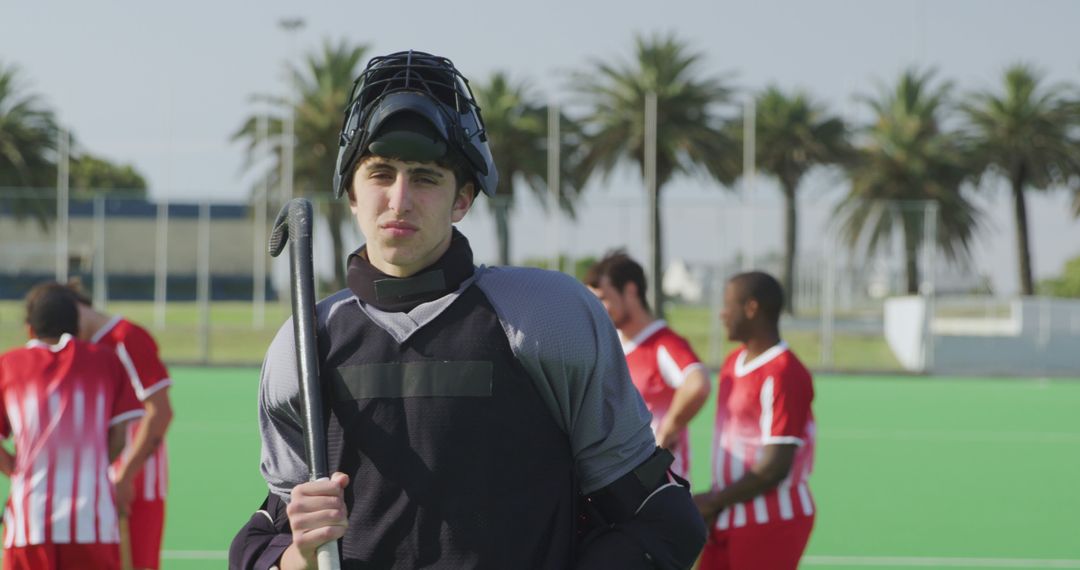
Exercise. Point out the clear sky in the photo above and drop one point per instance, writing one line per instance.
(162, 85)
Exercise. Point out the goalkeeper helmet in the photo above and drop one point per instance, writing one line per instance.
(414, 106)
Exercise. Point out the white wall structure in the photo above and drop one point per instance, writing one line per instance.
(905, 331)
(1033, 336)
(681, 283)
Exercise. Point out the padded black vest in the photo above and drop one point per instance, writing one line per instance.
(454, 460)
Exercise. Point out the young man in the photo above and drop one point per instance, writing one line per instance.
(469, 408)
(759, 510)
(670, 377)
(66, 403)
(141, 473)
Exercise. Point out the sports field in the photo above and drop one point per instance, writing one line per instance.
(232, 339)
(911, 472)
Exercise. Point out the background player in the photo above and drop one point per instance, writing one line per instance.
(671, 378)
(141, 472)
(759, 510)
(66, 402)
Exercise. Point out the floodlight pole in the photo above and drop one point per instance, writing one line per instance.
(292, 26)
(553, 165)
(63, 180)
(656, 296)
(749, 171)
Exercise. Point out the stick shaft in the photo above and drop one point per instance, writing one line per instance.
(299, 231)
(307, 351)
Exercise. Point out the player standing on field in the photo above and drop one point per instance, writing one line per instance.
(759, 510)
(671, 378)
(474, 414)
(66, 403)
(141, 472)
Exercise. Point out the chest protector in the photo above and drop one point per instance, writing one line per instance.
(452, 456)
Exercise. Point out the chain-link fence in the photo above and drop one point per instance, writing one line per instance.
(199, 276)
(195, 273)
(842, 272)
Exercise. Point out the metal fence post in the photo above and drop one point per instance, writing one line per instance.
(928, 285)
(203, 295)
(828, 304)
(258, 285)
(101, 294)
(161, 264)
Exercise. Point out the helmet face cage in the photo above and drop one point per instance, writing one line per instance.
(433, 76)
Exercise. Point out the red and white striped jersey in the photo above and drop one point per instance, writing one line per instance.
(59, 402)
(139, 354)
(762, 402)
(659, 360)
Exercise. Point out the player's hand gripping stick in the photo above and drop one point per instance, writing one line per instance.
(293, 225)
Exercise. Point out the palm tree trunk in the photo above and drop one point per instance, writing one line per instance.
(334, 217)
(911, 254)
(1027, 286)
(791, 225)
(501, 207)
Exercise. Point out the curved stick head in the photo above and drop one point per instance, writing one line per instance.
(294, 220)
(279, 236)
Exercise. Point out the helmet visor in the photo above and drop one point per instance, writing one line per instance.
(408, 126)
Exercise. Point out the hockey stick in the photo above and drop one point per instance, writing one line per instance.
(294, 224)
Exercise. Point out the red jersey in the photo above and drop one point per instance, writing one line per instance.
(59, 401)
(139, 354)
(659, 361)
(762, 402)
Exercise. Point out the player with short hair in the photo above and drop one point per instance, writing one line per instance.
(476, 416)
(141, 472)
(66, 403)
(671, 378)
(759, 510)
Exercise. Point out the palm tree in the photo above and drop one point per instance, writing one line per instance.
(1027, 133)
(322, 85)
(517, 134)
(690, 134)
(28, 135)
(905, 161)
(792, 135)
